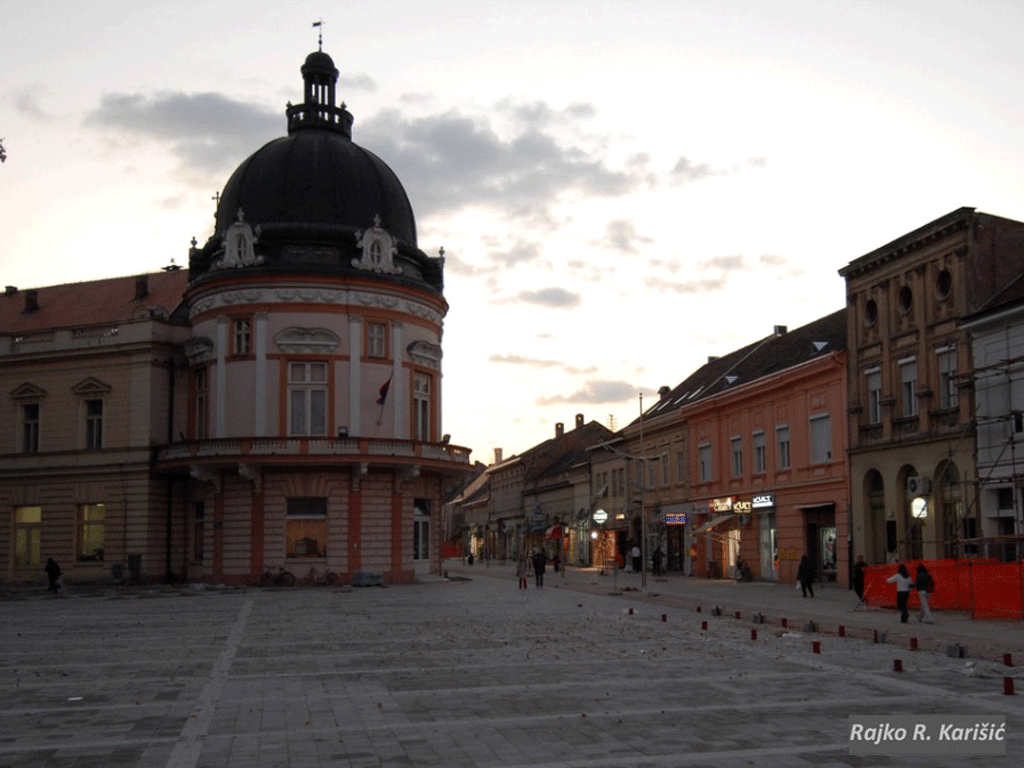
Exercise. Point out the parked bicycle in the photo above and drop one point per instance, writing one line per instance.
(281, 578)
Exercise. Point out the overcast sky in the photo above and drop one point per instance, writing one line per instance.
(621, 188)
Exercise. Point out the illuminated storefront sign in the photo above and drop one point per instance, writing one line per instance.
(763, 501)
(722, 505)
(741, 507)
(675, 518)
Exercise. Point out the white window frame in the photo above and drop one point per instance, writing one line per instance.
(947, 366)
(376, 340)
(92, 529)
(705, 466)
(242, 336)
(28, 536)
(422, 386)
(736, 452)
(760, 452)
(821, 438)
(307, 392)
(908, 386)
(93, 423)
(873, 383)
(783, 448)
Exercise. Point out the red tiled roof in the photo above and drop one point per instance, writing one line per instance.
(91, 303)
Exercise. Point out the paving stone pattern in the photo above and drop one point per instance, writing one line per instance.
(452, 674)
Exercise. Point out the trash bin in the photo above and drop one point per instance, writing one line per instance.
(135, 568)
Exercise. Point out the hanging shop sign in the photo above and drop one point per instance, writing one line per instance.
(675, 518)
(741, 507)
(722, 505)
(600, 517)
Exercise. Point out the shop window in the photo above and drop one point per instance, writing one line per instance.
(28, 528)
(307, 398)
(30, 428)
(306, 534)
(782, 456)
(91, 532)
(93, 423)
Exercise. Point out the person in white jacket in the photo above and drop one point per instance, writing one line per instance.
(903, 584)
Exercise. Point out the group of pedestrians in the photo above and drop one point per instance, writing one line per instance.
(922, 582)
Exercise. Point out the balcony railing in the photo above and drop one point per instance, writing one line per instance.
(351, 448)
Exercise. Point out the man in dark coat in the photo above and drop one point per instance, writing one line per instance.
(805, 575)
(858, 577)
(539, 561)
(52, 573)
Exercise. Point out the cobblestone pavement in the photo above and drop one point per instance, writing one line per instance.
(462, 673)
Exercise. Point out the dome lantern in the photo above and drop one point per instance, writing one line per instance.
(318, 109)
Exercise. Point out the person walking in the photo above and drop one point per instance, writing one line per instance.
(53, 574)
(903, 584)
(925, 585)
(522, 571)
(858, 577)
(540, 560)
(805, 575)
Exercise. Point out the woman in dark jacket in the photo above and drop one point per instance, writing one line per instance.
(805, 575)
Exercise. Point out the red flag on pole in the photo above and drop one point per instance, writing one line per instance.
(384, 391)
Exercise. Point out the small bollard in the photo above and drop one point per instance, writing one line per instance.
(842, 631)
(897, 665)
(703, 625)
(913, 643)
(738, 614)
(630, 611)
(698, 609)
(753, 634)
(785, 623)
(1008, 659)
(1008, 686)
(664, 617)
(816, 646)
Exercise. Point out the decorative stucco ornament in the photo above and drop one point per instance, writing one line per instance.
(378, 250)
(238, 242)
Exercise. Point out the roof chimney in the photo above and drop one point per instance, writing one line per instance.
(663, 390)
(498, 455)
(559, 429)
(579, 420)
(141, 287)
(31, 301)
(780, 330)
(10, 290)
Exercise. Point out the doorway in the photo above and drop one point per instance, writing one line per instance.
(421, 537)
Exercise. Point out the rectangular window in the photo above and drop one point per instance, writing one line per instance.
(821, 439)
(947, 379)
(704, 467)
(782, 457)
(242, 337)
(421, 406)
(908, 389)
(306, 535)
(664, 469)
(760, 458)
(874, 385)
(201, 403)
(30, 428)
(622, 480)
(93, 423)
(91, 532)
(376, 340)
(307, 398)
(28, 527)
(736, 445)
(199, 534)
(680, 466)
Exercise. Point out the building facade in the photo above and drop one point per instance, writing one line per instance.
(911, 411)
(283, 410)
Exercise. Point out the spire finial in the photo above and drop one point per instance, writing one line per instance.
(319, 24)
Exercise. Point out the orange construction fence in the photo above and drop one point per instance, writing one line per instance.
(988, 588)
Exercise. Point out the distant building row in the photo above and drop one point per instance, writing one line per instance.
(893, 428)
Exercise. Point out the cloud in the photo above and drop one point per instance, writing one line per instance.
(534, 362)
(595, 393)
(686, 287)
(622, 236)
(356, 83)
(556, 298)
(25, 103)
(207, 132)
(686, 171)
(518, 253)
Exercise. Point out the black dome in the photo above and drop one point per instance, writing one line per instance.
(317, 176)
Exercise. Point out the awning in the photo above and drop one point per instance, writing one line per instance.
(554, 532)
(713, 522)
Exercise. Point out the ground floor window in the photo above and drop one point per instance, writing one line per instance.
(92, 519)
(306, 534)
(28, 527)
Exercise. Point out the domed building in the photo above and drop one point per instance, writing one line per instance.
(292, 390)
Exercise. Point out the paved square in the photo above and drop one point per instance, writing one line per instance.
(449, 674)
